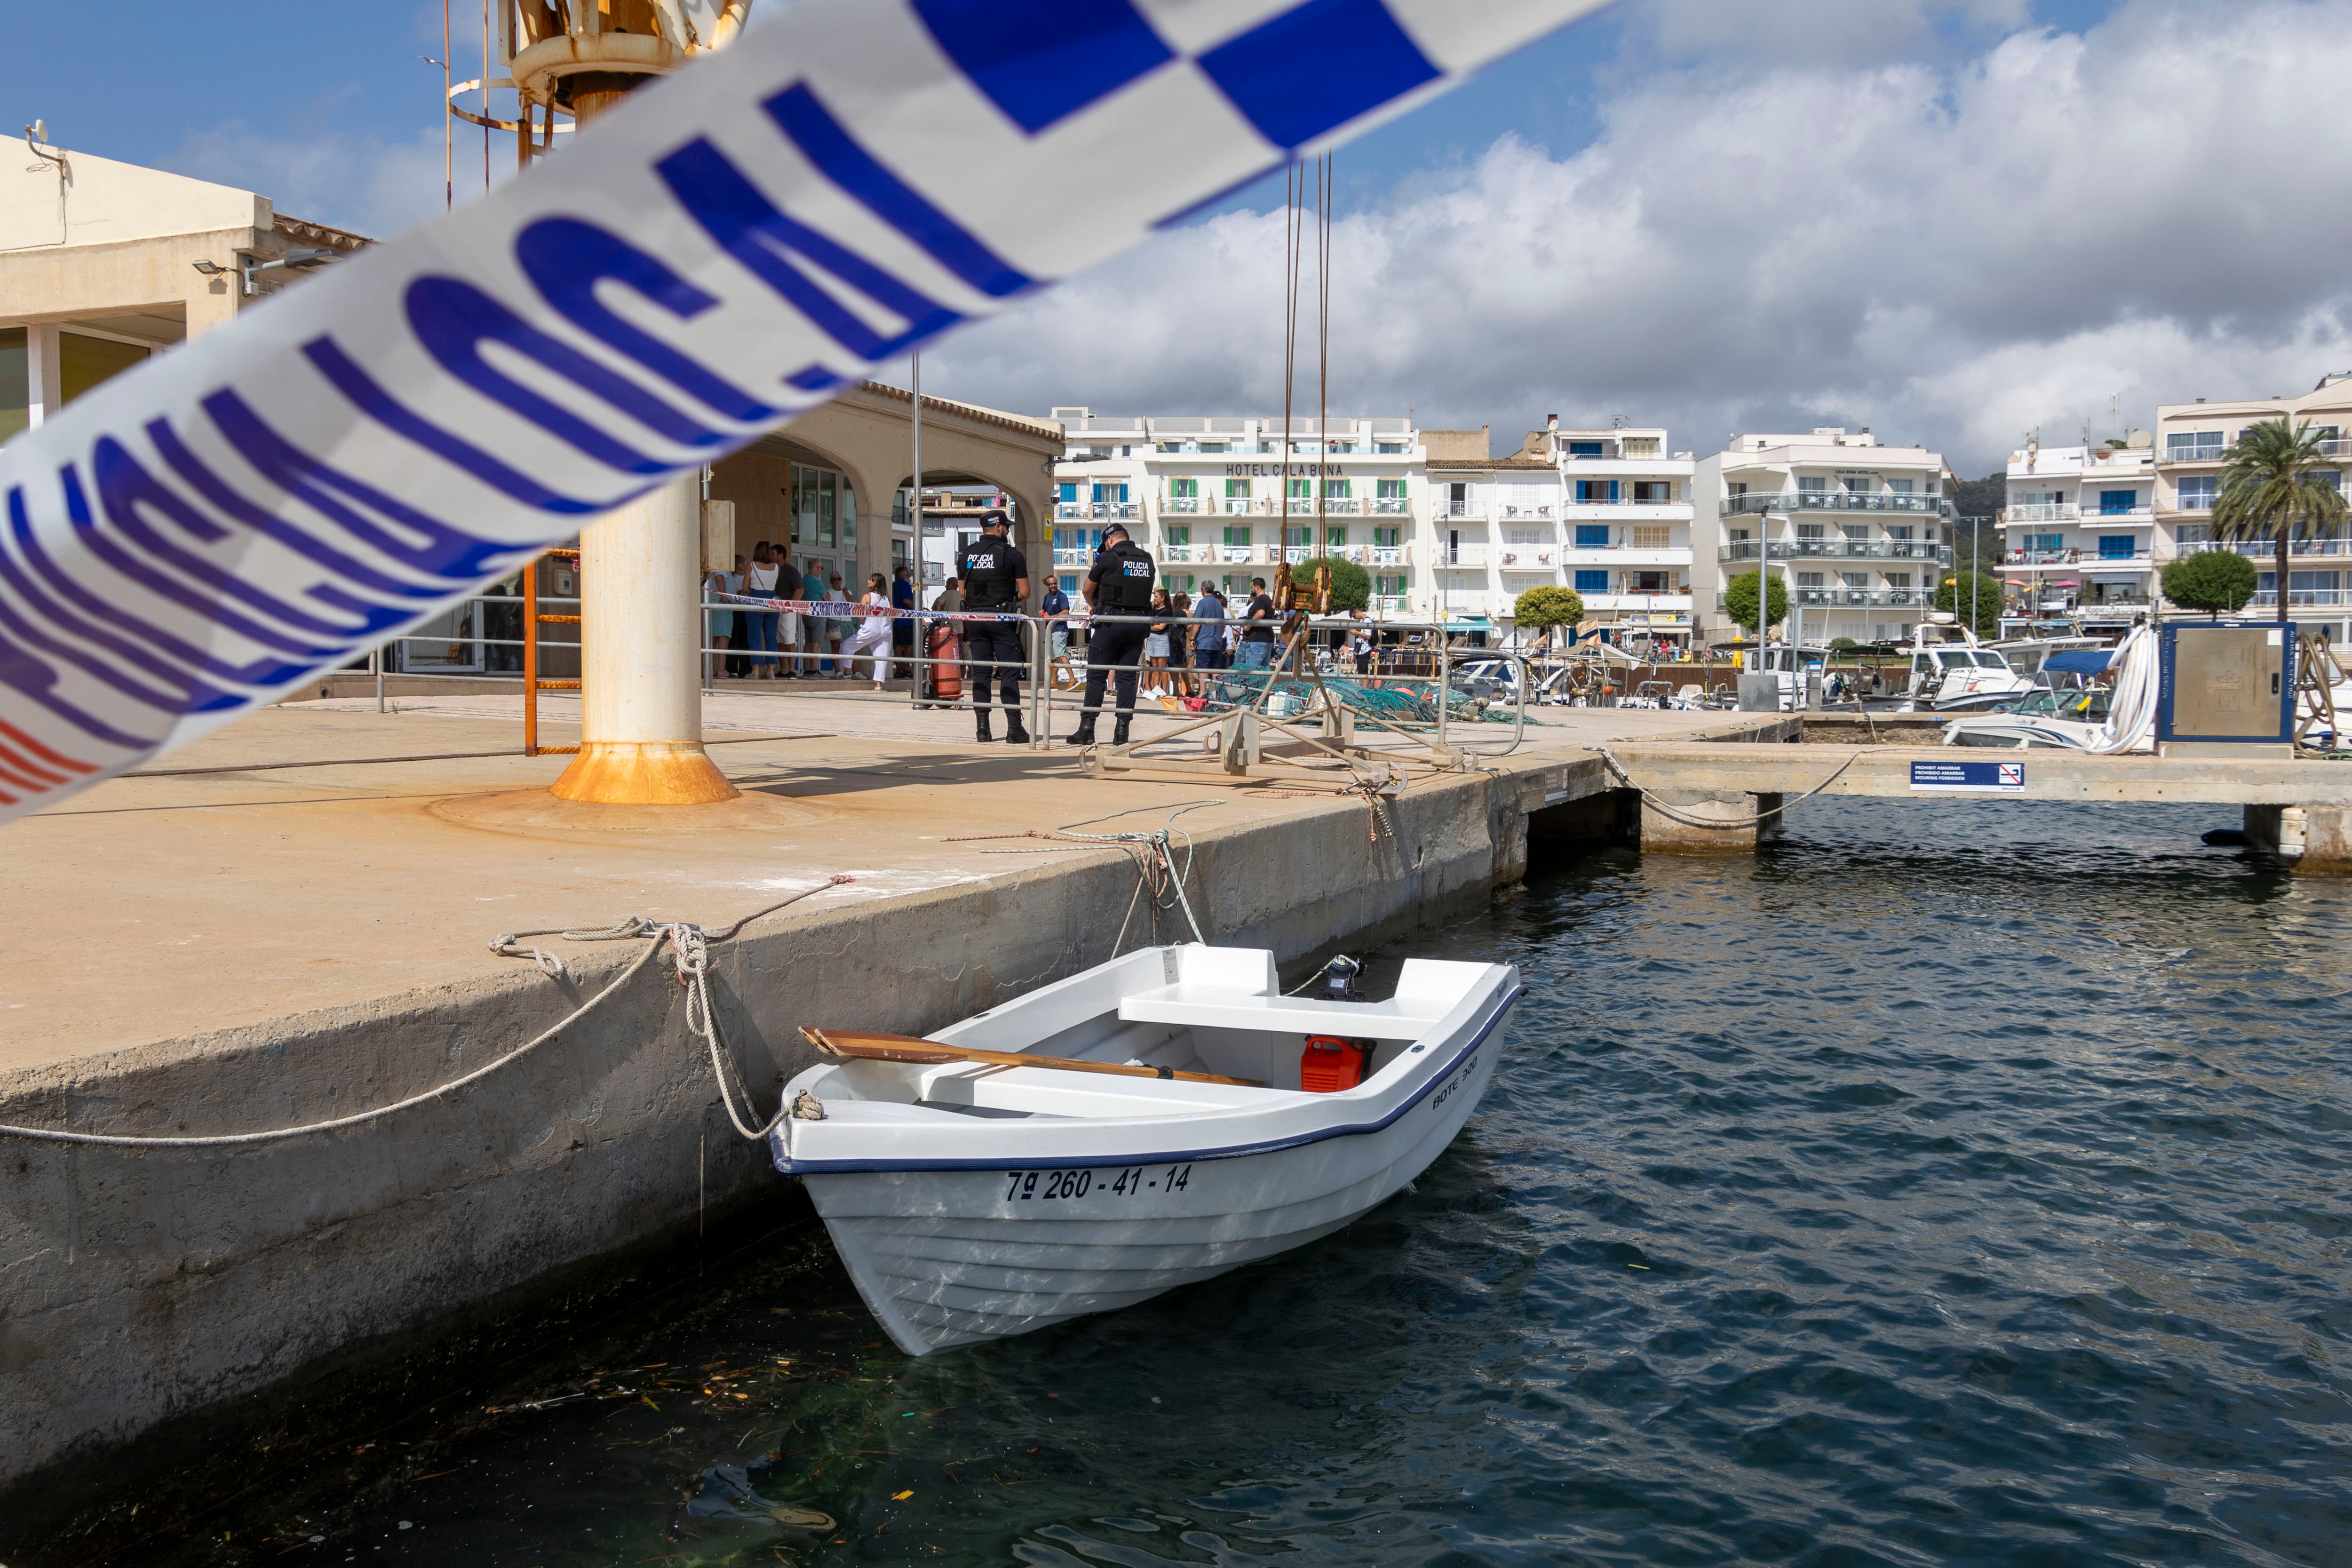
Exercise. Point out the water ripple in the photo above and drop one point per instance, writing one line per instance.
(1964, 1187)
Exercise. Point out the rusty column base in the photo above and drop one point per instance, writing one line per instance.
(627, 772)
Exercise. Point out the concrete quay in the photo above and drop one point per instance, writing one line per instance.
(228, 944)
(2300, 811)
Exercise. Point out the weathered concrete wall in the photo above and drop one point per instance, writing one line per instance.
(144, 1286)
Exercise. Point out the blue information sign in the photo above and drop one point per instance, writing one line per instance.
(1968, 778)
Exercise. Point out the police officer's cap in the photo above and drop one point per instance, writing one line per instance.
(1116, 530)
(995, 520)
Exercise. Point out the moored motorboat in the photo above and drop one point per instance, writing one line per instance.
(1166, 1116)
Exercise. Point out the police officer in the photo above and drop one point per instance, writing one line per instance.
(1120, 583)
(995, 577)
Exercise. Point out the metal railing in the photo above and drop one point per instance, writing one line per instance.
(2072, 558)
(1840, 550)
(2301, 598)
(2264, 549)
(1830, 501)
(1096, 511)
(1864, 596)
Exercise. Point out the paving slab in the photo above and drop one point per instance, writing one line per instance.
(183, 901)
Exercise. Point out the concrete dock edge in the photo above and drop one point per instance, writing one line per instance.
(143, 1286)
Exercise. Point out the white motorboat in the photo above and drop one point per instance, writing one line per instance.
(1952, 671)
(1161, 1118)
(2049, 720)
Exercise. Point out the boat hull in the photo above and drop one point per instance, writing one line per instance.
(946, 1257)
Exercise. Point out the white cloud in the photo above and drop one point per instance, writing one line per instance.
(360, 183)
(1764, 239)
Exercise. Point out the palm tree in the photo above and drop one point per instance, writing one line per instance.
(2272, 488)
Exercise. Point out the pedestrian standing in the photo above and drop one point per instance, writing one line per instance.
(1056, 607)
(1209, 650)
(1180, 642)
(873, 631)
(902, 627)
(1257, 629)
(996, 578)
(1155, 643)
(761, 584)
(1119, 584)
(717, 624)
(839, 628)
(788, 630)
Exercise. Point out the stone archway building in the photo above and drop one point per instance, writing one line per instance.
(781, 491)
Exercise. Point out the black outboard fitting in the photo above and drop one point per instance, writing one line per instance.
(1339, 980)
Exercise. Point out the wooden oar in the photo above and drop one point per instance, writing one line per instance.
(906, 1048)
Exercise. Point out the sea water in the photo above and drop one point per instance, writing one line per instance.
(1964, 1185)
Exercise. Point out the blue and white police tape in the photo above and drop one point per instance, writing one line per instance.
(849, 181)
(850, 609)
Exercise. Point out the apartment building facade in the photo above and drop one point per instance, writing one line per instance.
(1858, 532)
(1211, 497)
(1441, 525)
(2081, 539)
(2190, 439)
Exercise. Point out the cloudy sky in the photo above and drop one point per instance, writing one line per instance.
(1949, 220)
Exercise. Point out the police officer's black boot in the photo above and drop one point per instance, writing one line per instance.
(1083, 735)
(981, 714)
(1118, 735)
(1013, 733)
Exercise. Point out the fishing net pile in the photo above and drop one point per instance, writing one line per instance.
(1401, 704)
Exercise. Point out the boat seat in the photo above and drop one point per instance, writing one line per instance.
(1198, 1009)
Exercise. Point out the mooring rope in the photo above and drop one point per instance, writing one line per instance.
(1724, 823)
(690, 942)
(1153, 854)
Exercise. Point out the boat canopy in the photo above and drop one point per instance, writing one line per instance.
(2078, 660)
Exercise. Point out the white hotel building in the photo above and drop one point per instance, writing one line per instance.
(1440, 525)
(2088, 529)
(2079, 537)
(1858, 532)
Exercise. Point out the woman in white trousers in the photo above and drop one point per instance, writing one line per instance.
(873, 634)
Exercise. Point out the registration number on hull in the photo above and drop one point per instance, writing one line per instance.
(1063, 1187)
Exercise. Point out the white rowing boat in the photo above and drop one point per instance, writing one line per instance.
(1160, 1135)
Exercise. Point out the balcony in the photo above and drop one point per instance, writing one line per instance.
(1866, 598)
(1181, 503)
(2206, 452)
(1178, 554)
(1654, 602)
(1389, 506)
(1526, 513)
(2264, 550)
(1839, 550)
(1088, 511)
(1624, 511)
(1390, 555)
(1391, 605)
(1468, 511)
(2075, 558)
(1530, 558)
(1462, 556)
(2302, 599)
(1831, 501)
(2044, 512)
(1630, 556)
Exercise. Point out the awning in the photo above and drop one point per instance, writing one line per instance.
(2116, 580)
(2078, 660)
